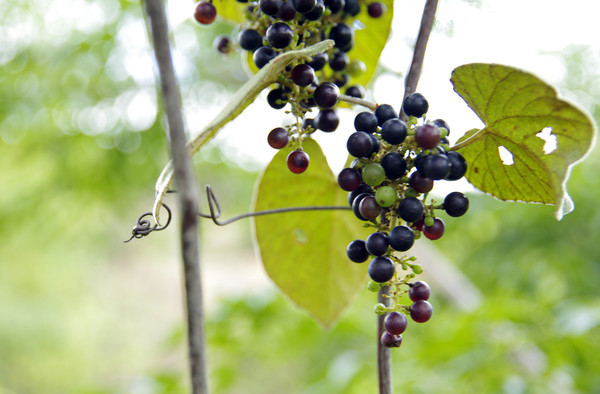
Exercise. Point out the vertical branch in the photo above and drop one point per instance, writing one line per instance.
(188, 199)
(414, 73)
(384, 357)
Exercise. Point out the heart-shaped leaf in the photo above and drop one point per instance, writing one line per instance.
(531, 137)
(304, 252)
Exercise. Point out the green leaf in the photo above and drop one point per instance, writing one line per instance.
(524, 118)
(230, 10)
(304, 253)
(370, 40)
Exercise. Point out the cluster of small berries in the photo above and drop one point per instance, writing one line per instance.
(395, 168)
(276, 26)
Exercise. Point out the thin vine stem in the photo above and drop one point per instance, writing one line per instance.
(188, 199)
(384, 357)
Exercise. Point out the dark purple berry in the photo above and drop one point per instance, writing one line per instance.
(326, 95)
(394, 165)
(250, 40)
(394, 131)
(442, 123)
(280, 35)
(385, 112)
(419, 291)
(381, 269)
(317, 12)
(286, 12)
(319, 61)
(436, 231)
(357, 251)
(277, 98)
(341, 34)
(420, 183)
(366, 121)
(362, 188)
(303, 75)
(456, 204)
(304, 6)
(278, 138)
(421, 311)
(205, 12)
(368, 208)
(375, 10)
(390, 340)
(395, 323)
(435, 167)
(270, 7)
(401, 238)
(349, 179)
(327, 120)
(410, 209)
(339, 61)
(355, 91)
(263, 55)
(377, 243)
(415, 105)
(427, 136)
(297, 161)
(360, 144)
(458, 166)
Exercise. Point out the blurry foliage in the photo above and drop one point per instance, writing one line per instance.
(80, 148)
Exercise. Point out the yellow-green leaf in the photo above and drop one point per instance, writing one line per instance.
(304, 252)
(531, 138)
(230, 10)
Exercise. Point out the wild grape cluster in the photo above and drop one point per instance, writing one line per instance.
(396, 165)
(276, 26)
(398, 157)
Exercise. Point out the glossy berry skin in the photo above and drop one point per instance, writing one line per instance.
(297, 161)
(357, 251)
(270, 7)
(334, 5)
(390, 340)
(395, 323)
(427, 136)
(205, 12)
(410, 209)
(394, 165)
(352, 7)
(377, 244)
(401, 238)
(263, 55)
(419, 291)
(373, 174)
(436, 231)
(304, 6)
(381, 269)
(280, 35)
(339, 61)
(319, 61)
(420, 183)
(349, 179)
(368, 208)
(394, 131)
(376, 144)
(436, 167)
(278, 138)
(250, 40)
(415, 105)
(286, 12)
(327, 120)
(456, 204)
(386, 196)
(326, 95)
(458, 166)
(317, 12)
(277, 98)
(341, 34)
(303, 75)
(360, 144)
(366, 121)
(355, 91)
(385, 112)
(421, 311)
(363, 188)
(375, 10)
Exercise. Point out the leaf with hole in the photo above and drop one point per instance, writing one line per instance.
(304, 253)
(531, 138)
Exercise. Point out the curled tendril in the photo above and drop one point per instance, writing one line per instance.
(143, 226)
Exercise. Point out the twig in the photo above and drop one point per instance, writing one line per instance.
(384, 358)
(414, 73)
(188, 200)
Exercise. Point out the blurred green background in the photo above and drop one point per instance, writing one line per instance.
(81, 144)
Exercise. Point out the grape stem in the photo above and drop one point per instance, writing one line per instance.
(266, 76)
(188, 199)
(384, 358)
(416, 66)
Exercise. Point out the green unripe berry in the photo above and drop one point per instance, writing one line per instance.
(429, 221)
(386, 196)
(373, 286)
(417, 269)
(443, 132)
(380, 309)
(356, 68)
(410, 193)
(373, 174)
